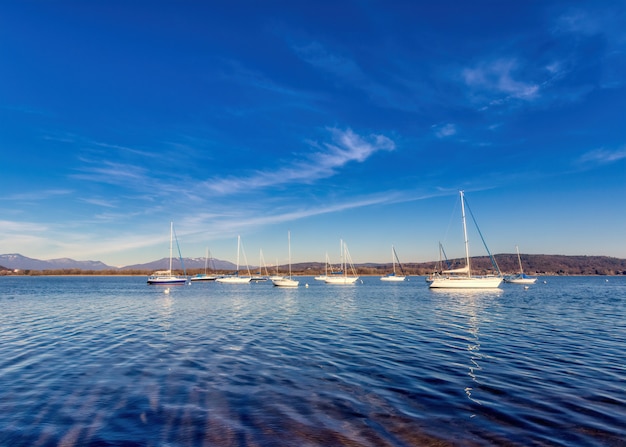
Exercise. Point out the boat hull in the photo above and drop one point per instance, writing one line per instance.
(203, 278)
(464, 282)
(285, 282)
(341, 280)
(167, 281)
(233, 280)
(393, 278)
(521, 280)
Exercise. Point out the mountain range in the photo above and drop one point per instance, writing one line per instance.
(507, 262)
(20, 262)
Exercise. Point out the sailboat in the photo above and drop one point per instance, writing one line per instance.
(393, 277)
(346, 262)
(462, 278)
(204, 276)
(165, 278)
(235, 278)
(326, 265)
(276, 275)
(439, 266)
(259, 275)
(287, 281)
(520, 278)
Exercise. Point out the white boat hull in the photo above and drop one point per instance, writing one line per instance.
(234, 280)
(203, 278)
(167, 280)
(165, 277)
(341, 280)
(521, 280)
(464, 282)
(285, 282)
(393, 278)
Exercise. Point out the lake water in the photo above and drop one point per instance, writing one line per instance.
(110, 361)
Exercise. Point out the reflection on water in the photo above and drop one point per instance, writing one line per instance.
(473, 348)
(110, 361)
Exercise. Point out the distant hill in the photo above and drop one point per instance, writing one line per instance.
(17, 261)
(190, 264)
(20, 262)
(507, 262)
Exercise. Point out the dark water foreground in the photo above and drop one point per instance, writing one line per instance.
(113, 362)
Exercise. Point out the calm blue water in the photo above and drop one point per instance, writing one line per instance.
(111, 361)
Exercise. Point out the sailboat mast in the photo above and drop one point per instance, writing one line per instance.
(171, 235)
(467, 257)
(289, 251)
(521, 270)
(343, 267)
(326, 266)
(238, 244)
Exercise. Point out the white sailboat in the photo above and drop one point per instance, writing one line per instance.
(520, 278)
(462, 278)
(259, 275)
(346, 261)
(287, 281)
(325, 275)
(235, 278)
(277, 275)
(393, 277)
(165, 277)
(439, 266)
(204, 276)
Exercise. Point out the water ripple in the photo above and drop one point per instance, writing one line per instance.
(110, 361)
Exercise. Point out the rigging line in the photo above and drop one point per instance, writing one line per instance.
(453, 214)
(493, 260)
(445, 256)
(398, 260)
(180, 255)
(245, 259)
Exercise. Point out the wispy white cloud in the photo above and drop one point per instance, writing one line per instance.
(327, 158)
(253, 78)
(37, 195)
(603, 156)
(318, 56)
(444, 130)
(112, 173)
(596, 22)
(498, 77)
(125, 149)
(9, 226)
(99, 202)
(579, 21)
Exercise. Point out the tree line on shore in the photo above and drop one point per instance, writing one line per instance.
(538, 265)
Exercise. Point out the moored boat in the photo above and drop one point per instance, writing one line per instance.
(346, 262)
(520, 278)
(204, 276)
(462, 278)
(235, 278)
(287, 281)
(165, 277)
(393, 276)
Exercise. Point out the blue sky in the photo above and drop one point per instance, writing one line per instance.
(354, 120)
